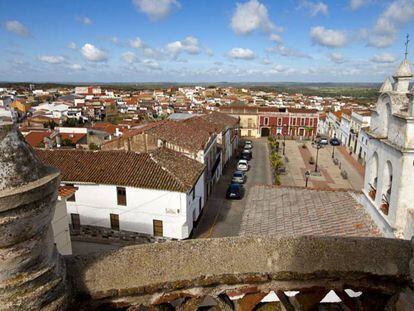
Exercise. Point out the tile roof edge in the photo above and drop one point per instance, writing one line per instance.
(183, 186)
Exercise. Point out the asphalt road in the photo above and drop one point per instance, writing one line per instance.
(222, 217)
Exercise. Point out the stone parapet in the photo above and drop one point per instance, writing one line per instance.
(158, 274)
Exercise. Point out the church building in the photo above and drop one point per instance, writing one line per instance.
(388, 193)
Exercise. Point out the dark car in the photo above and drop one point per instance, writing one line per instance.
(239, 177)
(246, 155)
(335, 142)
(235, 192)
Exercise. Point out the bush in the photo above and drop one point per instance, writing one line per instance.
(93, 146)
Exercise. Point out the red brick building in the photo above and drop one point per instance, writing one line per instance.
(291, 122)
(264, 121)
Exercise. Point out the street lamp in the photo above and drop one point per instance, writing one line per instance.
(333, 148)
(318, 146)
(284, 138)
(307, 174)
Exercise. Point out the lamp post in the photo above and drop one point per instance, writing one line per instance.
(333, 148)
(284, 138)
(318, 146)
(307, 174)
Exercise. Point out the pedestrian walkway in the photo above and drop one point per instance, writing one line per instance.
(329, 173)
(352, 161)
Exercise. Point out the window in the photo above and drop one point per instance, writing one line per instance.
(75, 219)
(266, 121)
(114, 221)
(158, 227)
(72, 198)
(293, 121)
(279, 121)
(121, 195)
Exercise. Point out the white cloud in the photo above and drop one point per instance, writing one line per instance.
(384, 58)
(72, 45)
(314, 7)
(266, 61)
(136, 43)
(129, 57)
(209, 51)
(250, 16)
(76, 67)
(189, 44)
(114, 39)
(275, 38)
(337, 58)
(356, 4)
(328, 37)
(240, 53)
(385, 31)
(17, 28)
(156, 10)
(282, 50)
(50, 59)
(151, 64)
(84, 20)
(93, 54)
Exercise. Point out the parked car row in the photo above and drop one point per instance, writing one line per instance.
(236, 189)
(324, 141)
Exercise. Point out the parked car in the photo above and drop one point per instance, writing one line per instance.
(323, 141)
(235, 192)
(246, 155)
(239, 177)
(248, 142)
(243, 165)
(248, 146)
(335, 141)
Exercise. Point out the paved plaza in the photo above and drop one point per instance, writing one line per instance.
(295, 211)
(330, 174)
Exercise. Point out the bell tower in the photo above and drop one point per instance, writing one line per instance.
(389, 172)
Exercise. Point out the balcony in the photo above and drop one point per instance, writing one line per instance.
(237, 273)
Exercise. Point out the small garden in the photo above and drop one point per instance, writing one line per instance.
(276, 161)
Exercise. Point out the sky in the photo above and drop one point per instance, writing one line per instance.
(203, 40)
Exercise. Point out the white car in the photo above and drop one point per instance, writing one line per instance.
(243, 165)
(248, 146)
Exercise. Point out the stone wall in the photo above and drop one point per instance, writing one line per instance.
(156, 274)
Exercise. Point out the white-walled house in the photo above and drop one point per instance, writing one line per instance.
(159, 193)
(60, 222)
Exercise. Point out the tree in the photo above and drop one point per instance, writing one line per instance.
(68, 143)
(50, 124)
(93, 146)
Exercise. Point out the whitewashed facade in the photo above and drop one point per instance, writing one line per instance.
(389, 174)
(177, 210)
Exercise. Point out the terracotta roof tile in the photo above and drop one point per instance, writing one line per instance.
(164, 169)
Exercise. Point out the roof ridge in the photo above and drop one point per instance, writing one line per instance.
(176, 178)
